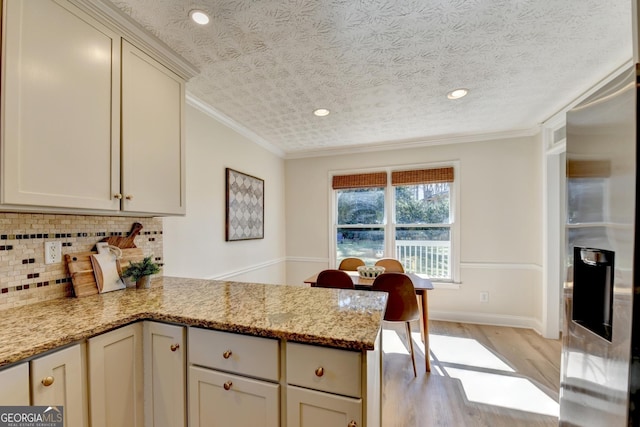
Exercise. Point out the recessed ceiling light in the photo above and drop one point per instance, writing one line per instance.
(457, 93)
(321, 112)
(199, 17)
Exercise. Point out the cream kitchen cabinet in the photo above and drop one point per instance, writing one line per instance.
(164, 375)
(61, 103)
(233, 380)
(15, 385)
(331, 387)
(115, 366)
(153, 162)
(91, 124)
(58, 379)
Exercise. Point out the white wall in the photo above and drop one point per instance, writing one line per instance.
(500, 224)
(194, 245)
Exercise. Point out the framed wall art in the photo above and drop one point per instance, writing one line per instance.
(245, 206)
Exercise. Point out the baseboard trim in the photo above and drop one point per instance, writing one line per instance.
(486, 319)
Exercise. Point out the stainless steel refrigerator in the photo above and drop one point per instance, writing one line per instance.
(601, 333)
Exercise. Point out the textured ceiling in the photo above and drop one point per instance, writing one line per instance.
(384, 67)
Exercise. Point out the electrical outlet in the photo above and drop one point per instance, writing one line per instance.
(52, 252)
(484, 297)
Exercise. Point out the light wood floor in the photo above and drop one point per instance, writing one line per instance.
(481, 376)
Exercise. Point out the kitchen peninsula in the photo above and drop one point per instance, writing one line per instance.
(319, 347)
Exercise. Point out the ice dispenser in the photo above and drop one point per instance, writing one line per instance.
(593, 290)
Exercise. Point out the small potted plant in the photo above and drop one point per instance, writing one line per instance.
(141, 272)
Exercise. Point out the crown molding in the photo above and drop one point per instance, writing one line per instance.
(227, 121)
(137, 35)
(199, 104)
(399, 145)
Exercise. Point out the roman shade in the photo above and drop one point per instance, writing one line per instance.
(422, 176)
(360, 180)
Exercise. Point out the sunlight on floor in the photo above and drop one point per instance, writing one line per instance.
(464, 351)
(485, 378)
(505, 391)
(392, 343)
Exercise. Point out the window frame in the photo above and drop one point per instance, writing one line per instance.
(389, 224)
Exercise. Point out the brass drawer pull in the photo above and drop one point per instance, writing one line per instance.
(174, 347)
(129, 197)
(320, 371)
(227, 385)
(117, 196)
(352, 424)
(47, 381)
(227, 354)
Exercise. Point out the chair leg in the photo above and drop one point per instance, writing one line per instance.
(413, 357)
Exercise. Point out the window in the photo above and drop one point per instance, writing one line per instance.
(409, 218)
(360, 215)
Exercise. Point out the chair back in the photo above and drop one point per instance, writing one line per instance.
(350, 264)
(391, 265)
(402, 305)
(334, 279)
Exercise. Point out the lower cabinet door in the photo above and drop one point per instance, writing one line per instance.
(14, 386)
(116, 378)
(220, 399)
(310, 408)
(57, 379)
(164, 375)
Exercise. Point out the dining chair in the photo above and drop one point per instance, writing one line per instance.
(350, 264)
(402, 305)
(334, 279)
(391, 265)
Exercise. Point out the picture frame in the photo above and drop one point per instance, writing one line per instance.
(244, 206)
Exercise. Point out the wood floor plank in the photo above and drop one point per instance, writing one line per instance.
(510, 363)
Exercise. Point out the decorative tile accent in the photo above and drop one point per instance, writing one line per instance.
(25, 278)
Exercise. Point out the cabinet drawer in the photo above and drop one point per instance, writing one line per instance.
(222, 399)
(243, 354)
(326, 369)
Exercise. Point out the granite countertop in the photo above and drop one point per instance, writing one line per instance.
(331, 317)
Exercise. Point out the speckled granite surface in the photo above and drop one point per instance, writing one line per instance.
(330, 317)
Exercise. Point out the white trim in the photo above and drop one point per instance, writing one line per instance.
(398, 145)
(500, 266)
(229, 122)
(486, 319)
(254, 267)
(307, 259)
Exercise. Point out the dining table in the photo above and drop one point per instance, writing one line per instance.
(421, 284)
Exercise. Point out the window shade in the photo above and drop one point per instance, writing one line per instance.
(588, 168)
(422, 176)
(361, 180)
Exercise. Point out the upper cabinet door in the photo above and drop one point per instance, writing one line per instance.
(153, 163)
(60, 103)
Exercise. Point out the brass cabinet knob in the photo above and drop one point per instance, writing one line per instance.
(320, 371)
(129, 197)
(47, 381)
(117, 196)
(174, 347)
(227, 385)
(352, 424)
(227, 354)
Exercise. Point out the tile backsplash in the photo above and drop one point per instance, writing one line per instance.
(24, 276)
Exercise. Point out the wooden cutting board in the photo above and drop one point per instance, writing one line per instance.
(125, 242)
(81, 271)
(130, 255)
